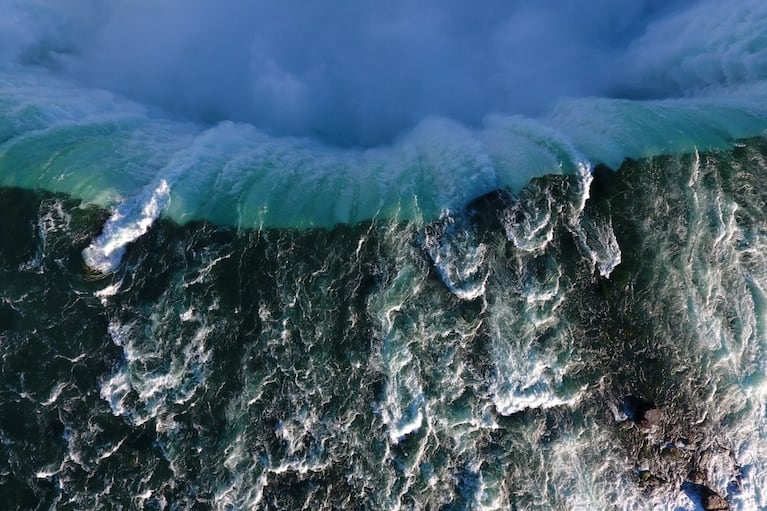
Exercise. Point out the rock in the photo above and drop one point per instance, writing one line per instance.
(652, 417)
(642, 412)
(706, 498)
(714, 502)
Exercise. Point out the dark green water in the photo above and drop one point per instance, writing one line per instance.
(480, 361)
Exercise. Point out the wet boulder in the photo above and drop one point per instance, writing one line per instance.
(715, 502)
(642, 412)
(704, 497)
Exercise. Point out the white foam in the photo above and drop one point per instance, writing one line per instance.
(533, 233)
(402, 406)
(600, 245)
(405, 421)
(458, 257)
(152, 385)
(531, 388)
(55, 393)
(103, 294)
(46, 474)
(128, 222)
(114, 391)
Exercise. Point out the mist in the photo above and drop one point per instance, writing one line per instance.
(360, 73)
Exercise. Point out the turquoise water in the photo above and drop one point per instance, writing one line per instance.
(509, 257)
(109, 151)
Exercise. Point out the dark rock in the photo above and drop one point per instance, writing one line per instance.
(642, 412)
(647, 479)
(704, 497)
(715, 502)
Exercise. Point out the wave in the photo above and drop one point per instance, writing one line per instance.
(107, 150)
(60, 132)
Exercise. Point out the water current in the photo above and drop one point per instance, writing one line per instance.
(591, 341)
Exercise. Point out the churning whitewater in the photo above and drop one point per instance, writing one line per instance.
(383, 256)
(589, 341)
